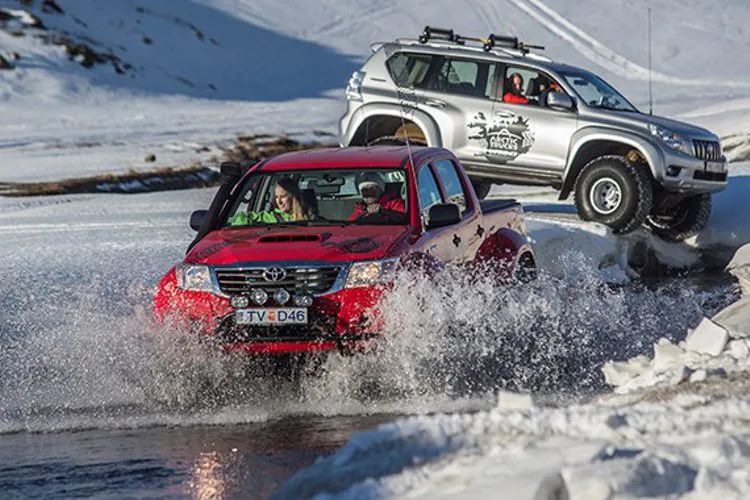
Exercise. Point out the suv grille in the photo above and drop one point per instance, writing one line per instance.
(707, 150)
(314, 280)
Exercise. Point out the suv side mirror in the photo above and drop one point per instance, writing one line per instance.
(559, 101)
(197, 218)
(443, 214)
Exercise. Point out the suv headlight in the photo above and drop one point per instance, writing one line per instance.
(373, 272)
(672, 139)
(195, 278)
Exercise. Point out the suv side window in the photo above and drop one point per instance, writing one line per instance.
(409, 70)
(429, 193)
(452, 183)
(527, 86)
(464, 77)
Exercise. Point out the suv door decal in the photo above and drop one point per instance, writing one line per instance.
(505, 137)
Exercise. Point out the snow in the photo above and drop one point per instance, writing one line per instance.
(205, 71)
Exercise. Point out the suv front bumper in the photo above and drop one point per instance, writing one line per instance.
(683, 174)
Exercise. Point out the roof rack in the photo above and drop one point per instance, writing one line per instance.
(492, 41)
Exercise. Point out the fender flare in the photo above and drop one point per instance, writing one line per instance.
(504, 247)
(650, 151)
(370, 110)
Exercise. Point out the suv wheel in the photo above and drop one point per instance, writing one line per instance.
(481, 188)
(614, 192)
(683, 220)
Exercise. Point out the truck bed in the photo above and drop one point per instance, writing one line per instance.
(495, 205)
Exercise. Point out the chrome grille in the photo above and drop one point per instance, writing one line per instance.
(707, 150)
(315, 280)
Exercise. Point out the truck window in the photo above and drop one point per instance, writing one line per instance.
(409, 70)
(526, 86)
(452, 183)
(464, 77)
(429, 193)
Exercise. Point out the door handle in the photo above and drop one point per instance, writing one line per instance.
(435, 103)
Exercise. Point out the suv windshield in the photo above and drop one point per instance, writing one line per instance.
(597, 93)
(322, 197)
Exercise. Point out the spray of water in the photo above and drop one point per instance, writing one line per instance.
(89, 355)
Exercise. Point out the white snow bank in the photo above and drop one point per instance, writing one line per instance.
(619, 446)
(588, 451)
(716, 346)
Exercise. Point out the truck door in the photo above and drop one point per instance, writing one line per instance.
(439, 243)
(469, 232)
(458, 97)
(524, 132)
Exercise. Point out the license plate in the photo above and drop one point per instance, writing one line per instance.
(278, 316)
(716, 167)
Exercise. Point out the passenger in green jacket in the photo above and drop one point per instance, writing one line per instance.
(288, 207)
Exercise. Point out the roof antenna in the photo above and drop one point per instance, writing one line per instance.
(650, 94)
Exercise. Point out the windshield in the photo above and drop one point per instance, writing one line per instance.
(365, 196)
(597, 93)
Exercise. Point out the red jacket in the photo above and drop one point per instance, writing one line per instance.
(512, 98)
(389, 201)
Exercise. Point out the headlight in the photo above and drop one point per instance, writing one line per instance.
(196, 278)
(374, 272)
(672, 139)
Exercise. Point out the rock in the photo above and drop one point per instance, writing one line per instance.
(666, 354)
(738, 349)
(50, 6)
(5, 64)
(150, 158)
(148, 40)
(708, 338)
(699, 376)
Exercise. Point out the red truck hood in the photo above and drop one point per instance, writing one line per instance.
(321, 243)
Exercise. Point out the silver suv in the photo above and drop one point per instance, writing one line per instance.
(512, 116)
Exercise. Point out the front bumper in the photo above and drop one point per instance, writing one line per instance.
(346, 319)
(693, 175)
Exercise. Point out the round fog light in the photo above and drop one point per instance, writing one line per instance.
(303, 301)
(259, 296)
(281, 296)
(239, 302)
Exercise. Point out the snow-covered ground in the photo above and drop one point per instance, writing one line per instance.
(195, 74)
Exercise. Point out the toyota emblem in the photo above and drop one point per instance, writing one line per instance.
(274, 274)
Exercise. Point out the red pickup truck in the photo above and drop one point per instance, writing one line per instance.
(294, 252)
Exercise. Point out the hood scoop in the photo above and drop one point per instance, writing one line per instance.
(289, 238)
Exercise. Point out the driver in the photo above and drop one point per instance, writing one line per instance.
(288, 207)
(374, 198)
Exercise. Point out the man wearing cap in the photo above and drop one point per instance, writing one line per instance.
(374, 197)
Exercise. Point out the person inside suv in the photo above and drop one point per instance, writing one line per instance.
(515, 93)
(375, 199)
(288, 207)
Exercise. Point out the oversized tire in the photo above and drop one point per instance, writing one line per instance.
(526, 270)
(481, 188)
(614, 192)
(683, 220)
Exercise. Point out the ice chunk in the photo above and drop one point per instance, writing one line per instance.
(514, 401)
(739, 349)
(617, 373)
(708, 338)
(699, 376)
(666, 354)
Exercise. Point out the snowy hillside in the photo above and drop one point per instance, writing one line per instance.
(97, 84)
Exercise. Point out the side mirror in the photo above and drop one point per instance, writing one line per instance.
(231, 171)
(443, 214)
(560, 102)
(197, 218)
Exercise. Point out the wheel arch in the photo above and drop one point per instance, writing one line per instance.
(372, 122)
(589, 144)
